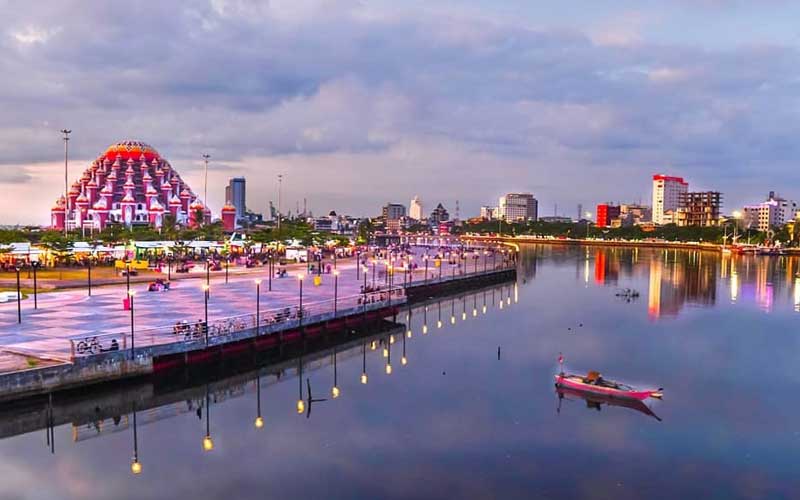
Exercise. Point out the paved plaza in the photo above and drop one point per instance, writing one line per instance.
(69, 314)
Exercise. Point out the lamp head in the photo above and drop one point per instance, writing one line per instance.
(208, 444)
(259, 423)
(136, 467)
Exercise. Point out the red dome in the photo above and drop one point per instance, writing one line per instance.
(131, 150)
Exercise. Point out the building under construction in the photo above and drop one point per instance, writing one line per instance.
(699, 208)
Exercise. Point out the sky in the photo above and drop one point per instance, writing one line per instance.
(359, 103)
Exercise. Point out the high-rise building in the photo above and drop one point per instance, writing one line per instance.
(606, 212)
(235, 195)
(518, 207)
(667, 192)
(415, 209)
(393, 211)
(439, 214)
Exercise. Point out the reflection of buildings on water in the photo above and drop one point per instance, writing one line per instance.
(677, 279)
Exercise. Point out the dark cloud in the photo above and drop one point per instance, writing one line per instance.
(266, 80)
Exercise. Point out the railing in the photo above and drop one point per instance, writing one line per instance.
(223, 330)
(89, 345)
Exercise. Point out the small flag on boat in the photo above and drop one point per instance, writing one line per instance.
(560, 359)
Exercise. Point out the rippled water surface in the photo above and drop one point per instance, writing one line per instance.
(472, 413)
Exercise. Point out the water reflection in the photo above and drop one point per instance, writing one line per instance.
(677, 279)
(597, 401)
(108, 411)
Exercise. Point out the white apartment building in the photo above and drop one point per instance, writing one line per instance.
(518, 206)
(775, 212)
(488, 213)
(415, 209)
(667, 193)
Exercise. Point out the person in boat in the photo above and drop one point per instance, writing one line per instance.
(593, 378)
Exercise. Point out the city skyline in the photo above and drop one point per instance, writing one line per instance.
(527, 102)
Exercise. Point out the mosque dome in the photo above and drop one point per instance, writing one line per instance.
(131, 150)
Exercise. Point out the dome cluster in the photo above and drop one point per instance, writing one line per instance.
(130, 184)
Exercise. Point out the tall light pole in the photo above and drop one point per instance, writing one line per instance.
(300, 310)
(19, 298)
(206, 156)
(258, 307)
(131, 293)
(206, 288)
(66, 133)
(335, 291)
(280, 184)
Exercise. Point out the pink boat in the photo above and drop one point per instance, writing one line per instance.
(594, 383)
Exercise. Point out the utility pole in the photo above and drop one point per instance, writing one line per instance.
(280, 183)
(205, 180)
(66, 178)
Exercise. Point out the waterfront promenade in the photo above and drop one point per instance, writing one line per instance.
(68, 315)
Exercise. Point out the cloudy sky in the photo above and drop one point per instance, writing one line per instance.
(358, 103)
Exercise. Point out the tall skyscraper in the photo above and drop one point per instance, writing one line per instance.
(415, 209)
(235, 195)
(667, 194)
(518, 206)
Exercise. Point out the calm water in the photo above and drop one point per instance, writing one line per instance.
(459, 421)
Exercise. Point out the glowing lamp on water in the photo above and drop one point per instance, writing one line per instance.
(424, 329)
(391, 339)
(335, 392)
(301, 406)
(474, 312)
(388, 369)
(208, 444)
(373, 345)
(484, 309)
(136, 467)
(259, 423)
(439, 324)
(408, 334)
(463, 316)
(364, 378)
(404, 361)
(452, 320)
(385, 352)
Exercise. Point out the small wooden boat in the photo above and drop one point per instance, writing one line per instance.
(594, 383)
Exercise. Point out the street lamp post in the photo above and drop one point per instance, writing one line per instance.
(227, 263)
(66, 178)
(258, 307)
(206, 289)
(19, 298)
(131, 293)
(205, 179)
(426, 267)
(89, 273)
(300, 278)
(335, 291)
(271, 268)
(35, 266)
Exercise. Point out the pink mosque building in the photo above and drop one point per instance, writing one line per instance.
(130, 184)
